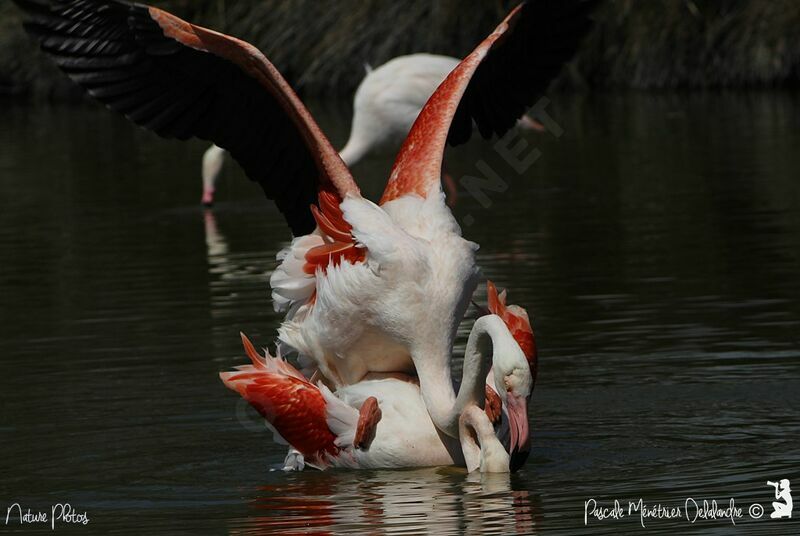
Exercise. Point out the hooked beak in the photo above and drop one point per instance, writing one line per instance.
(518, 427)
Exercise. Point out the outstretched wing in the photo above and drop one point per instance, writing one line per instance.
(491, 87)
(182, 81)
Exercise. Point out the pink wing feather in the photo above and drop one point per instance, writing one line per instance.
(492, 87)
(419, 163)
(292, 405)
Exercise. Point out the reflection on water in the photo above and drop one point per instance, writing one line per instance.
(230, 271)
(656, 244)
(443, 501)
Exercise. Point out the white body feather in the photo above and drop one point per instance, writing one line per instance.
(390, 98)
(408, 295)
(419, 445)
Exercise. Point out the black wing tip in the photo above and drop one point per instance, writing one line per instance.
(34, 11)
(564, 23)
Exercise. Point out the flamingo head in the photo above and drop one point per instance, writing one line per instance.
(208, 197)
(518, 323)
(514, 376)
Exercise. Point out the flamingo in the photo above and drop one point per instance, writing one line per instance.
(213, 162)
(421, 315)
(389, 99)
(385, 105)
(357, 426)
(369, 289)
(514, 427)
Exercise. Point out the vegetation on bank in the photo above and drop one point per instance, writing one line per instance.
(322, 46)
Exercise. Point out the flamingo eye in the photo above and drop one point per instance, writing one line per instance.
(518, 382)
(507, 381)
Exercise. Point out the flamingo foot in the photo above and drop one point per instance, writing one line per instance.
(294, 461)
(368, 418)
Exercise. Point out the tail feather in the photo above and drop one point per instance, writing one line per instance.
(295, 408)
(275, 365)
(342, 419)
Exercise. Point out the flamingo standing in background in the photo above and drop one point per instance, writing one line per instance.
(357, 425)
(369, 289)
(213, 162)
(389, 99)
(386, 103)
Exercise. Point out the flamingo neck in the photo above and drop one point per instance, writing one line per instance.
(354, 150)
(436, 387)
(444, 407)
(213, 160)
(479, 443)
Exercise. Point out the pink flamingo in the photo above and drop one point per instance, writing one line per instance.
(369, 289)
(357, 425)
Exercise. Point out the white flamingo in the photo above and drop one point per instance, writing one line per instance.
(359, 425)
(213, 162)
(368, 288)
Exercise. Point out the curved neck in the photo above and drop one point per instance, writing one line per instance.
(436, 385)
(478, 357)
(213, 160)
(479, 443)
(354, 150)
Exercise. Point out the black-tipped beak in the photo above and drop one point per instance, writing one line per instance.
(520, 446)
(518, 459)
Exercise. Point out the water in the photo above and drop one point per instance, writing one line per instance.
(656, 244)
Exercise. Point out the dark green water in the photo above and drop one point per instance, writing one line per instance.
(656, 244)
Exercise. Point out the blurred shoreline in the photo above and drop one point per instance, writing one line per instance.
(322, 47)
